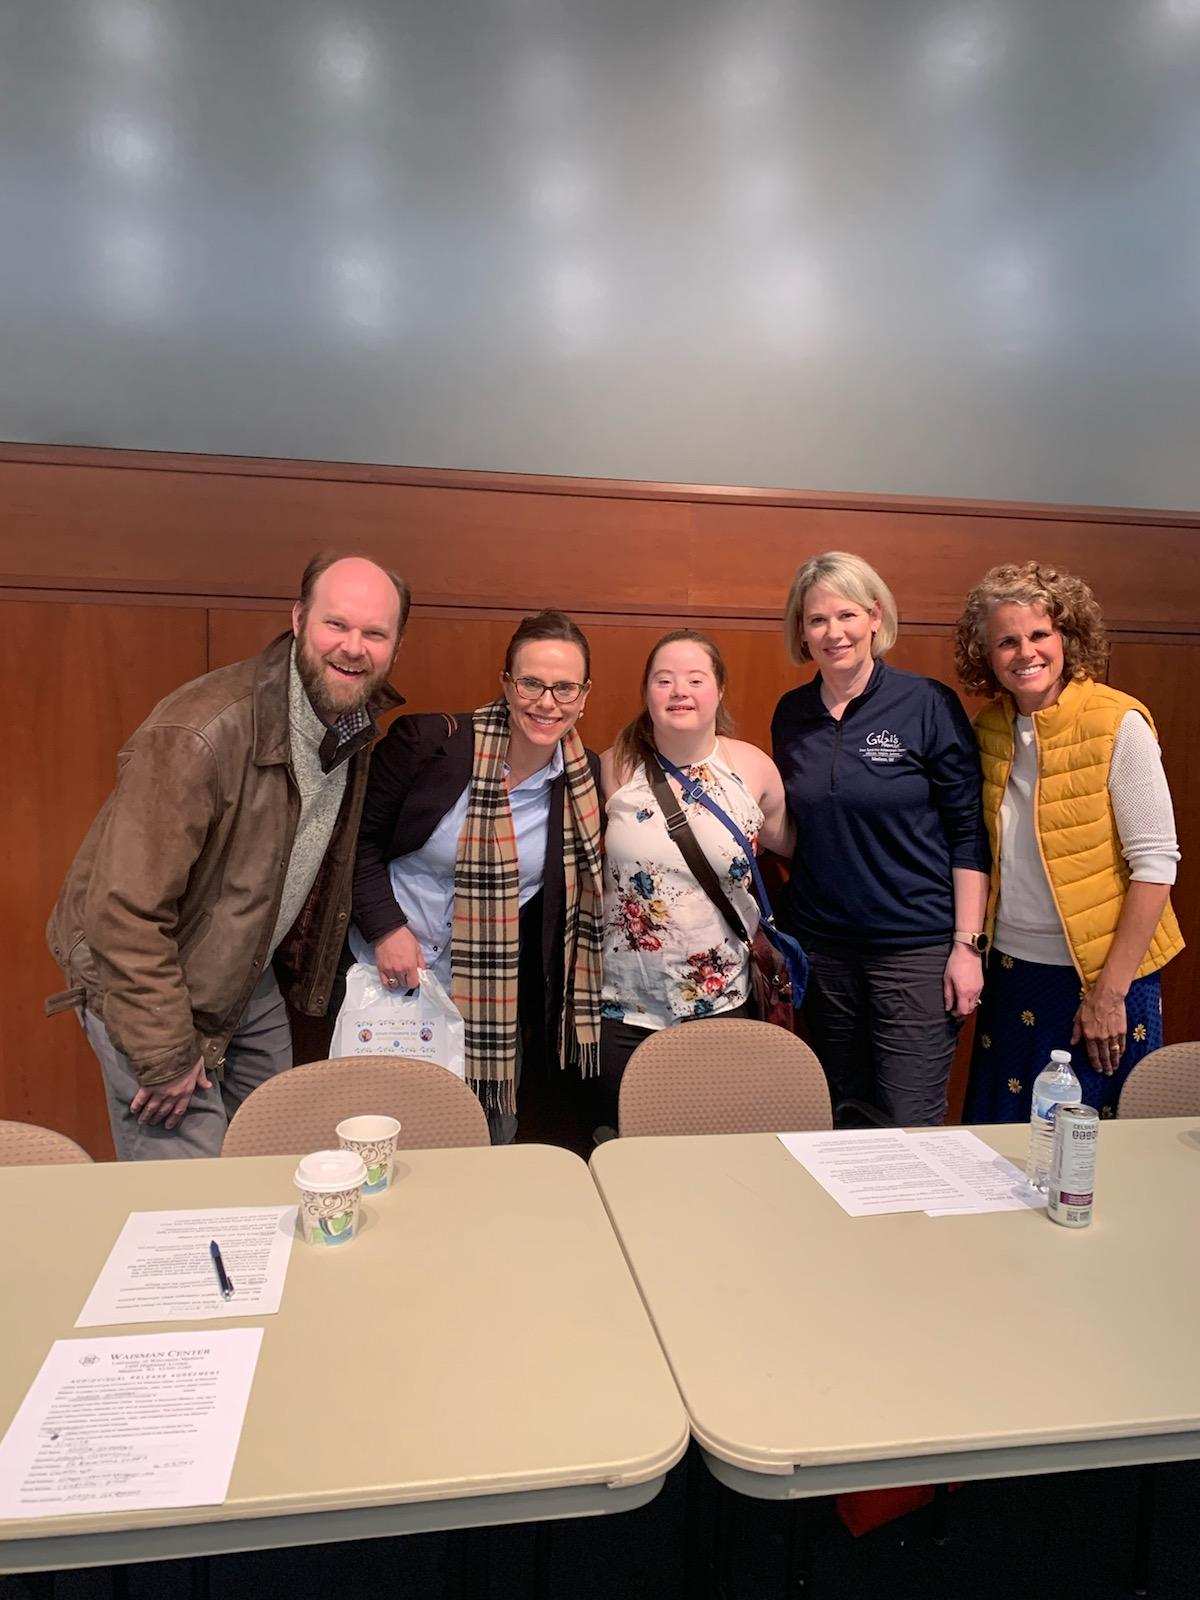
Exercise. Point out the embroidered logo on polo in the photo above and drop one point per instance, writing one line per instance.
(882, 749)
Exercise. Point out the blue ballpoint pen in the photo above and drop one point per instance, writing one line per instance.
(214, 1250)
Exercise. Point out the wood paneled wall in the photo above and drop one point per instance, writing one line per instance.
(124, 574)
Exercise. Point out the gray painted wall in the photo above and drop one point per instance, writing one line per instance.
(920, 246)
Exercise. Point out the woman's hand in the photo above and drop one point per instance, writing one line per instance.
(1101, 1023)
(962, 982)
(400, 959)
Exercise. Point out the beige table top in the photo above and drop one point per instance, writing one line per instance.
(482, 1338)
(857, 1351)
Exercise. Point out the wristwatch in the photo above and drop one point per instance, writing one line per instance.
(978, 942)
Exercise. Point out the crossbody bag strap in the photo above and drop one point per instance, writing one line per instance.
(680, 830)
(694, 792)
(787, 947)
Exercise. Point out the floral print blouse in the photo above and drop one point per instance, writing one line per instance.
(668, 953)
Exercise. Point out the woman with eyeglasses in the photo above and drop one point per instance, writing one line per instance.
(479, 861)
(670, 956)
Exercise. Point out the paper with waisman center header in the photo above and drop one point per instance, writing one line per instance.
(132, 1423)
(160, 1269)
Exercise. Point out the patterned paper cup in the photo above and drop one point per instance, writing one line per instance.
(331, 1186)
(374, 1139)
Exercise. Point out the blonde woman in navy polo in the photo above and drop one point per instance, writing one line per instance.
(889, 876)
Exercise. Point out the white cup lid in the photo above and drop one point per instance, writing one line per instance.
(330, 1171)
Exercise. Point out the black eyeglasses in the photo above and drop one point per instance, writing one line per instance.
(565, 694)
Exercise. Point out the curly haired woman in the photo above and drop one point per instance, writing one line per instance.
(1083, 845)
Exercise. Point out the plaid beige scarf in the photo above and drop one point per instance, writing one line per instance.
(484, 954)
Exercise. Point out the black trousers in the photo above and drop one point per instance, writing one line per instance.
(880, 1027)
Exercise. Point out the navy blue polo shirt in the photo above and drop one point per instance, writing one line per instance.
(886, 802)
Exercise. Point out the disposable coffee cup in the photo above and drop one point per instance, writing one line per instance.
(374, 1139)
(331, 1185)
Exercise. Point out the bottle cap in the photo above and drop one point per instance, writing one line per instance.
(1063, 1057)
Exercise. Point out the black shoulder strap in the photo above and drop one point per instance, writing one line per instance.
(680, 829)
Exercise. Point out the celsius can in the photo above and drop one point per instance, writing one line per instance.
(1073, 1165)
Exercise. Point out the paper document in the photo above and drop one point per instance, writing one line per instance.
(874, 1171)
(995, 1183)
(160, 1269)
(129, 1423)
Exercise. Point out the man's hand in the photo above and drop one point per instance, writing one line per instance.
(400, 959)
(167, 1102)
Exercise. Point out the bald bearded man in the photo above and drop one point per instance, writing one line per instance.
(222, 862)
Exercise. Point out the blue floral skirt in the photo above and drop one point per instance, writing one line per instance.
(1027, 1010)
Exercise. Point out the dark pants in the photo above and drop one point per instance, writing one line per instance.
(618, 1041)
(550, 1107)
(881, 1030)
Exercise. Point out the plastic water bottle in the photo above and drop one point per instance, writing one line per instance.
(1056, 1085)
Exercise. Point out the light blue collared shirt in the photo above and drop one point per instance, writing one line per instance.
(423, 881)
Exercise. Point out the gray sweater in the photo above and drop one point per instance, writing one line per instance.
(320, 801)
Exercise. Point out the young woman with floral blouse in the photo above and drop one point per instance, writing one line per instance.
(669, 955)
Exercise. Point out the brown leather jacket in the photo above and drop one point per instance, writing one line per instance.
(164, 922)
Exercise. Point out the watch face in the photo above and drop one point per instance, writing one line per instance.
(981, 942)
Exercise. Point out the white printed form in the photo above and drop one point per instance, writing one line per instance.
(875, 1171)
(996, 1184)
(126, 1424)
(160, 1269)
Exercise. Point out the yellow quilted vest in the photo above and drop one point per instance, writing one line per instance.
(1076, 830)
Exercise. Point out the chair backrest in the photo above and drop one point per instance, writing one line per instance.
(297, 1111)
(1166, 1083)
(723, 1077)
(24, 1144)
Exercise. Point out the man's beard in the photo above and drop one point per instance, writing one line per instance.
(333, 698)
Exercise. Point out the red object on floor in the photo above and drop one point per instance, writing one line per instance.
(871, 1508)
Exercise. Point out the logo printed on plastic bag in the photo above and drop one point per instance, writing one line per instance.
(423, 1023)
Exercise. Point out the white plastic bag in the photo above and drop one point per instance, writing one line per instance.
(375, 1021)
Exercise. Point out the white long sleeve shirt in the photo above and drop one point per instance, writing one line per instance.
(1027, 922)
